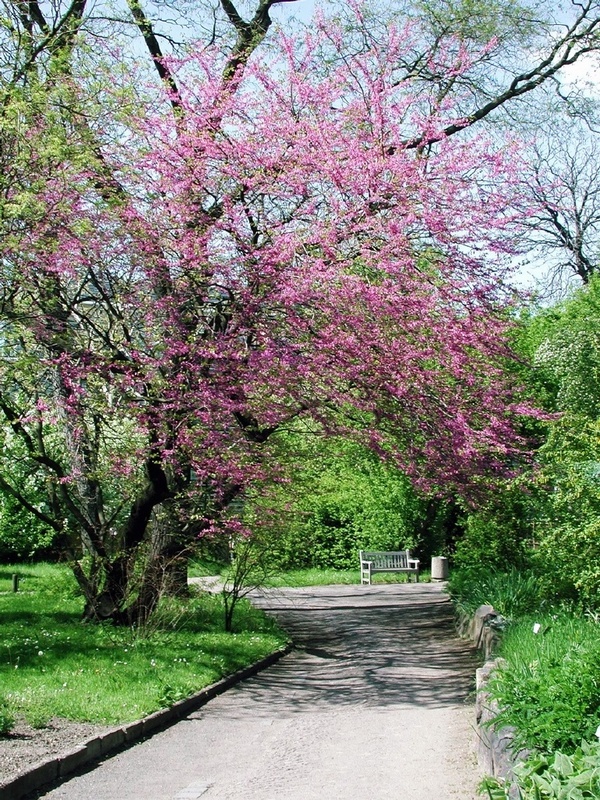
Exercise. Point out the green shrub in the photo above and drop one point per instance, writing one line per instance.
(338, 499)
(549, 686)
(22, 536)
(498, 535)
(568, 531)
(568, 561)
(512, 593)
(569, 534)
(557, 777)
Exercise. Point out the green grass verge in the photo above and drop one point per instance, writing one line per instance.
(511, 593)
(313, 577)
(304, 577)
(328, 577)
(53, 664)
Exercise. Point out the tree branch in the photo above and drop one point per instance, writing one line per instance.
(568, 49)
(249, 34)
(147, 31)
(24, 502)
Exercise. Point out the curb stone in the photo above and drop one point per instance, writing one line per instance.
(86, 753)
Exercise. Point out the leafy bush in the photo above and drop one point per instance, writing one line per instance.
(338, 499)
(569, 530)
(557, 777)
(549, 686)
(564, 346)
(22, 536)
(512, 593)
(498, 535)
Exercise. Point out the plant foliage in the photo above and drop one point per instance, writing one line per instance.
(548, 687)
(555, 777)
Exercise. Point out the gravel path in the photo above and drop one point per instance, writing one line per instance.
(371, 704)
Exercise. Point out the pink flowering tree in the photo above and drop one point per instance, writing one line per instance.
(268, 244)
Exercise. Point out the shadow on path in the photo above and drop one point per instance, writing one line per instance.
(371, 703)
(376, 646)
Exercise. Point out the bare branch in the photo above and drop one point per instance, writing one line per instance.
(580, 38)
(249, 34)
(152, 43)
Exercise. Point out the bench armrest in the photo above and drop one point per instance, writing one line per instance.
(414, 562)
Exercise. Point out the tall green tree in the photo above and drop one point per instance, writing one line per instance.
(567, 361)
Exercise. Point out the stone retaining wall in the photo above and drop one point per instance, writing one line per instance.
(494, 746)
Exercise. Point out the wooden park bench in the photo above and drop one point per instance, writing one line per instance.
(382, 561)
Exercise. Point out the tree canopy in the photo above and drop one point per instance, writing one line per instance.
(295, 231)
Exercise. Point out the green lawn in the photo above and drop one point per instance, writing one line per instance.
(325, 577)
(305, 577)
(301, 577)
(53, 664)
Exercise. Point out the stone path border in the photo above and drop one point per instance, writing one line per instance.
(95, 749)
(496, 753)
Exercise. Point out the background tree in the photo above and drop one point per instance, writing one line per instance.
(568, 360)
(548, 519)
(564, 183)
(336, 498)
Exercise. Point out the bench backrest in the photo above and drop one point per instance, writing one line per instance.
(386, 559)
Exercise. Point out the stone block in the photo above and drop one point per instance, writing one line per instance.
(487, 641)
(484, 751)
(502, 751)
(157, 720)
(74, 759)
(111, 740)
(133, 731)
(94, 748)
(30, 781)
(480, 618)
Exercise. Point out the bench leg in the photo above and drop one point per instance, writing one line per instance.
(365, 577)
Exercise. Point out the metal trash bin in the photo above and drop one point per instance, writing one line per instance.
(439, 568)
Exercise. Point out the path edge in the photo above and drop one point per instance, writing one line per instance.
(494, 745)
(107, 743)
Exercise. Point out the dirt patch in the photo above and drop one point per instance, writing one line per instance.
(26, 746)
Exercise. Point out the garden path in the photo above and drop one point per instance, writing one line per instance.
(375, 701)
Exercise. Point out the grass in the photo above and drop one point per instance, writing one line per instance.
(313, 577)
(305, 577)
(327, 577)
(53, 664)
(204, 567)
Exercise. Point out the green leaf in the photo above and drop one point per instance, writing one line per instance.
(585, 778)
(563, 765)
